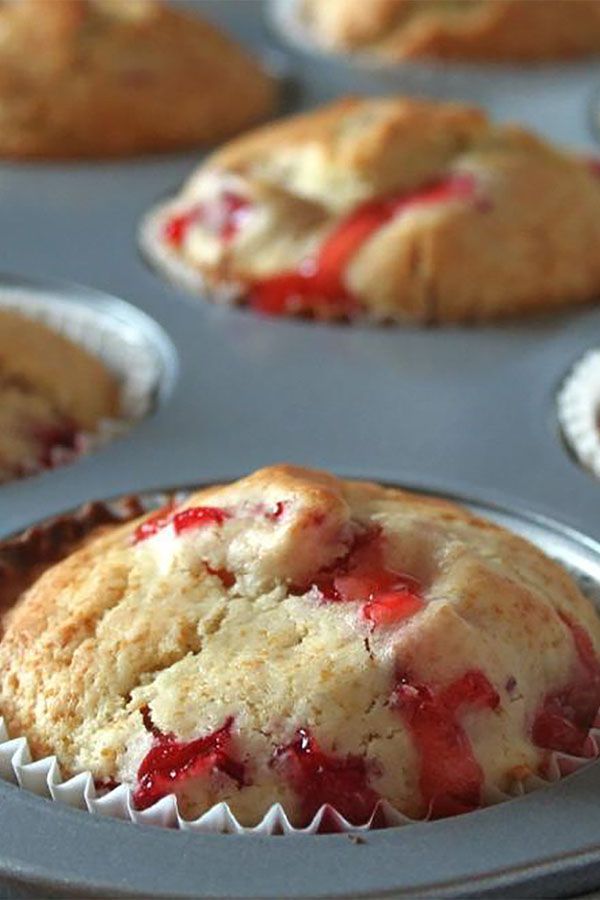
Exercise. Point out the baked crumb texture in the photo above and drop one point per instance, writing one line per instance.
(102, 78)
(514, 31)
(297, 638)
(393, 210)
(52, 393)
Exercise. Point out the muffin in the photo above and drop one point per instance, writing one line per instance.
(52, 393)
(516, 31)
(102, 78)
(389, 209)
(298, 638)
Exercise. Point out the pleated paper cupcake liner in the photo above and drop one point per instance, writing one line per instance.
(43, 778)
(126, 351)
(578, 409)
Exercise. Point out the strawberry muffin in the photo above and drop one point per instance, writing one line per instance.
(104, 78)
(386, 209)
(52, 392)
(297, 638)
(516, 31)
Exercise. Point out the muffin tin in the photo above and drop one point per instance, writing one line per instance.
(467, 412)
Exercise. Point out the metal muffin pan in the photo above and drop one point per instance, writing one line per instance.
(467, 412)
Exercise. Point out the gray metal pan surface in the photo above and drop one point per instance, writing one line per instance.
(463, 411)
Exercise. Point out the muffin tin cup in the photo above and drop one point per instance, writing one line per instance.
(131, 346)
(578, 409)
(51, 541)
(467, 412)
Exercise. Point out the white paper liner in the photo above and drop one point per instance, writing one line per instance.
(127, 353)
(43, 778)
(461, 80)
(578, 409)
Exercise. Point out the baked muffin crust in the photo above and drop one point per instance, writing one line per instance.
(102, 78)
(391, 209)
(518, 31)
(294, 637)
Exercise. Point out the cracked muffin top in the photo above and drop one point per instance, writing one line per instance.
(51, 393)
(518, 31)
(390, 209)
(100, 78)
(298, 638)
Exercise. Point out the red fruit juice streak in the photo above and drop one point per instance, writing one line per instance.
(318, 778)
(171, 762)
(566, 716)
(231, 208)
(450, 777)
(388, 596)
(319, 285)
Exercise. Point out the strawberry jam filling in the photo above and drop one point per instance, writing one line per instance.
(222, 216)
(450, 777)
(171, 763)
(184, 521)
(362, 576)
(318, 287)
(318, 778)
(564, 720)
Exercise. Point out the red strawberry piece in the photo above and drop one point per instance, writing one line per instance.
(322, 288)
(450, 777)
(319, 778)
(199, 517)
(171, 763)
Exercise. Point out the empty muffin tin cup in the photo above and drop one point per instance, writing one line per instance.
(578, 409)
(51, 541)
(130, 344)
